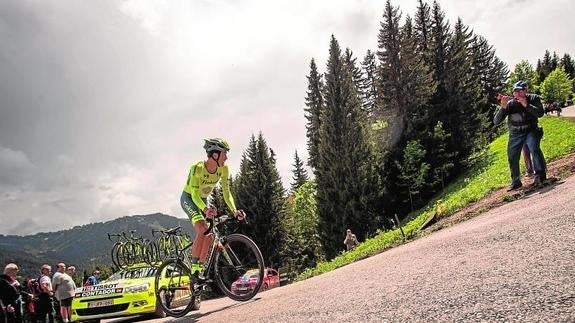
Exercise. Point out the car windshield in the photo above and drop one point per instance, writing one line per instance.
(250, 274)
(133, 273)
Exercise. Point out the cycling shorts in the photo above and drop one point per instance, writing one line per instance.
(193, 212)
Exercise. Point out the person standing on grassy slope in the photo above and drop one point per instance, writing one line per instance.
(522, 112)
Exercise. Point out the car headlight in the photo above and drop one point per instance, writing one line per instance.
(137, 288)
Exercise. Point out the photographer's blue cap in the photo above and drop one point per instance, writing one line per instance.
(520, 85)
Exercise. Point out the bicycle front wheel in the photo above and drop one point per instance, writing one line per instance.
(239, 267)
(174, 288)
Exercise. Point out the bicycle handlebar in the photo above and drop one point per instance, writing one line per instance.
(172, 231)
(113, 235)
(221, 219)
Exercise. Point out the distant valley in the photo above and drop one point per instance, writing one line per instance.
(83, 246)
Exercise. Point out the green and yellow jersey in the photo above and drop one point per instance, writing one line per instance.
(201, 183)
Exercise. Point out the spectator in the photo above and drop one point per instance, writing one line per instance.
(27, 297)
(350, 240)
(10, 301)
(522, 112)
(64, 287)
(94, 279)
(43, 304)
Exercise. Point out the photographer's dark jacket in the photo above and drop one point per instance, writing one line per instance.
(521, 119)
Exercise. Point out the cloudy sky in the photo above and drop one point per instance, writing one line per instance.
(104, 104)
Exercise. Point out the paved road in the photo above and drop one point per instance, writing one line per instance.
(568, 111)
(515, 263)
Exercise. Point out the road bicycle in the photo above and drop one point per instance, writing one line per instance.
(234, 262)
(129, 250)
(166, 245)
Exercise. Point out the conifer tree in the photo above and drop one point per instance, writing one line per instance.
(544, 66)
(442, 158)
(461, 118)
(422, 31)
(217, 200)
(413, 169)
(299, 173)
(407, 85)
(314, 103)
(392, 107)
(369, 84)
(440, 37)
(416, 82)
(554, 61)
(356, 72)
(345, 156)
(568, 65)
(491, 73)
(259, 192)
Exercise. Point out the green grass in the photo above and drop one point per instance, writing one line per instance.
(491, 173)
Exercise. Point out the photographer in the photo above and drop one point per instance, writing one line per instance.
(522, 112)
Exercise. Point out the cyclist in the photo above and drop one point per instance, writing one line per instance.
(202, 178)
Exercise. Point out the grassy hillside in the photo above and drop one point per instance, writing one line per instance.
(490, 173)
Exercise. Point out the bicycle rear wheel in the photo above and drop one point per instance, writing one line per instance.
(174, 288)
(239, 267)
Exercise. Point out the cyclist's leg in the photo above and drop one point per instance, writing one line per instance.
(201, 240)
(208, 240)
(198, 222)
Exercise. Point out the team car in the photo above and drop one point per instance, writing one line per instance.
(249, 280)
(125, 293)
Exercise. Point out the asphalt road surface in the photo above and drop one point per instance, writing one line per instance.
(568, 111)
(515, 263)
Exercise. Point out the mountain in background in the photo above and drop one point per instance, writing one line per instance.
(85, 246)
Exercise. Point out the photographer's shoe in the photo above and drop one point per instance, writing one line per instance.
(514, 186)
(540, 178)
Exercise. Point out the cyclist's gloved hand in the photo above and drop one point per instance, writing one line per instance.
(240, 214)
(210, 212)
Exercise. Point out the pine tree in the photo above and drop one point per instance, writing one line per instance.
(417, 84)
(491, 73)
(391, 107)
(413, 169)
(422, 31)
(260, 194)
(314, 103)
(356, 72)
(440, 38)
(554, 61)
(217, 200)
(568, 65)
(461, 119)
(544, 67)
(345, 156)
(299, 173)
(369, 84)
(407, 87)
(442, 158)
